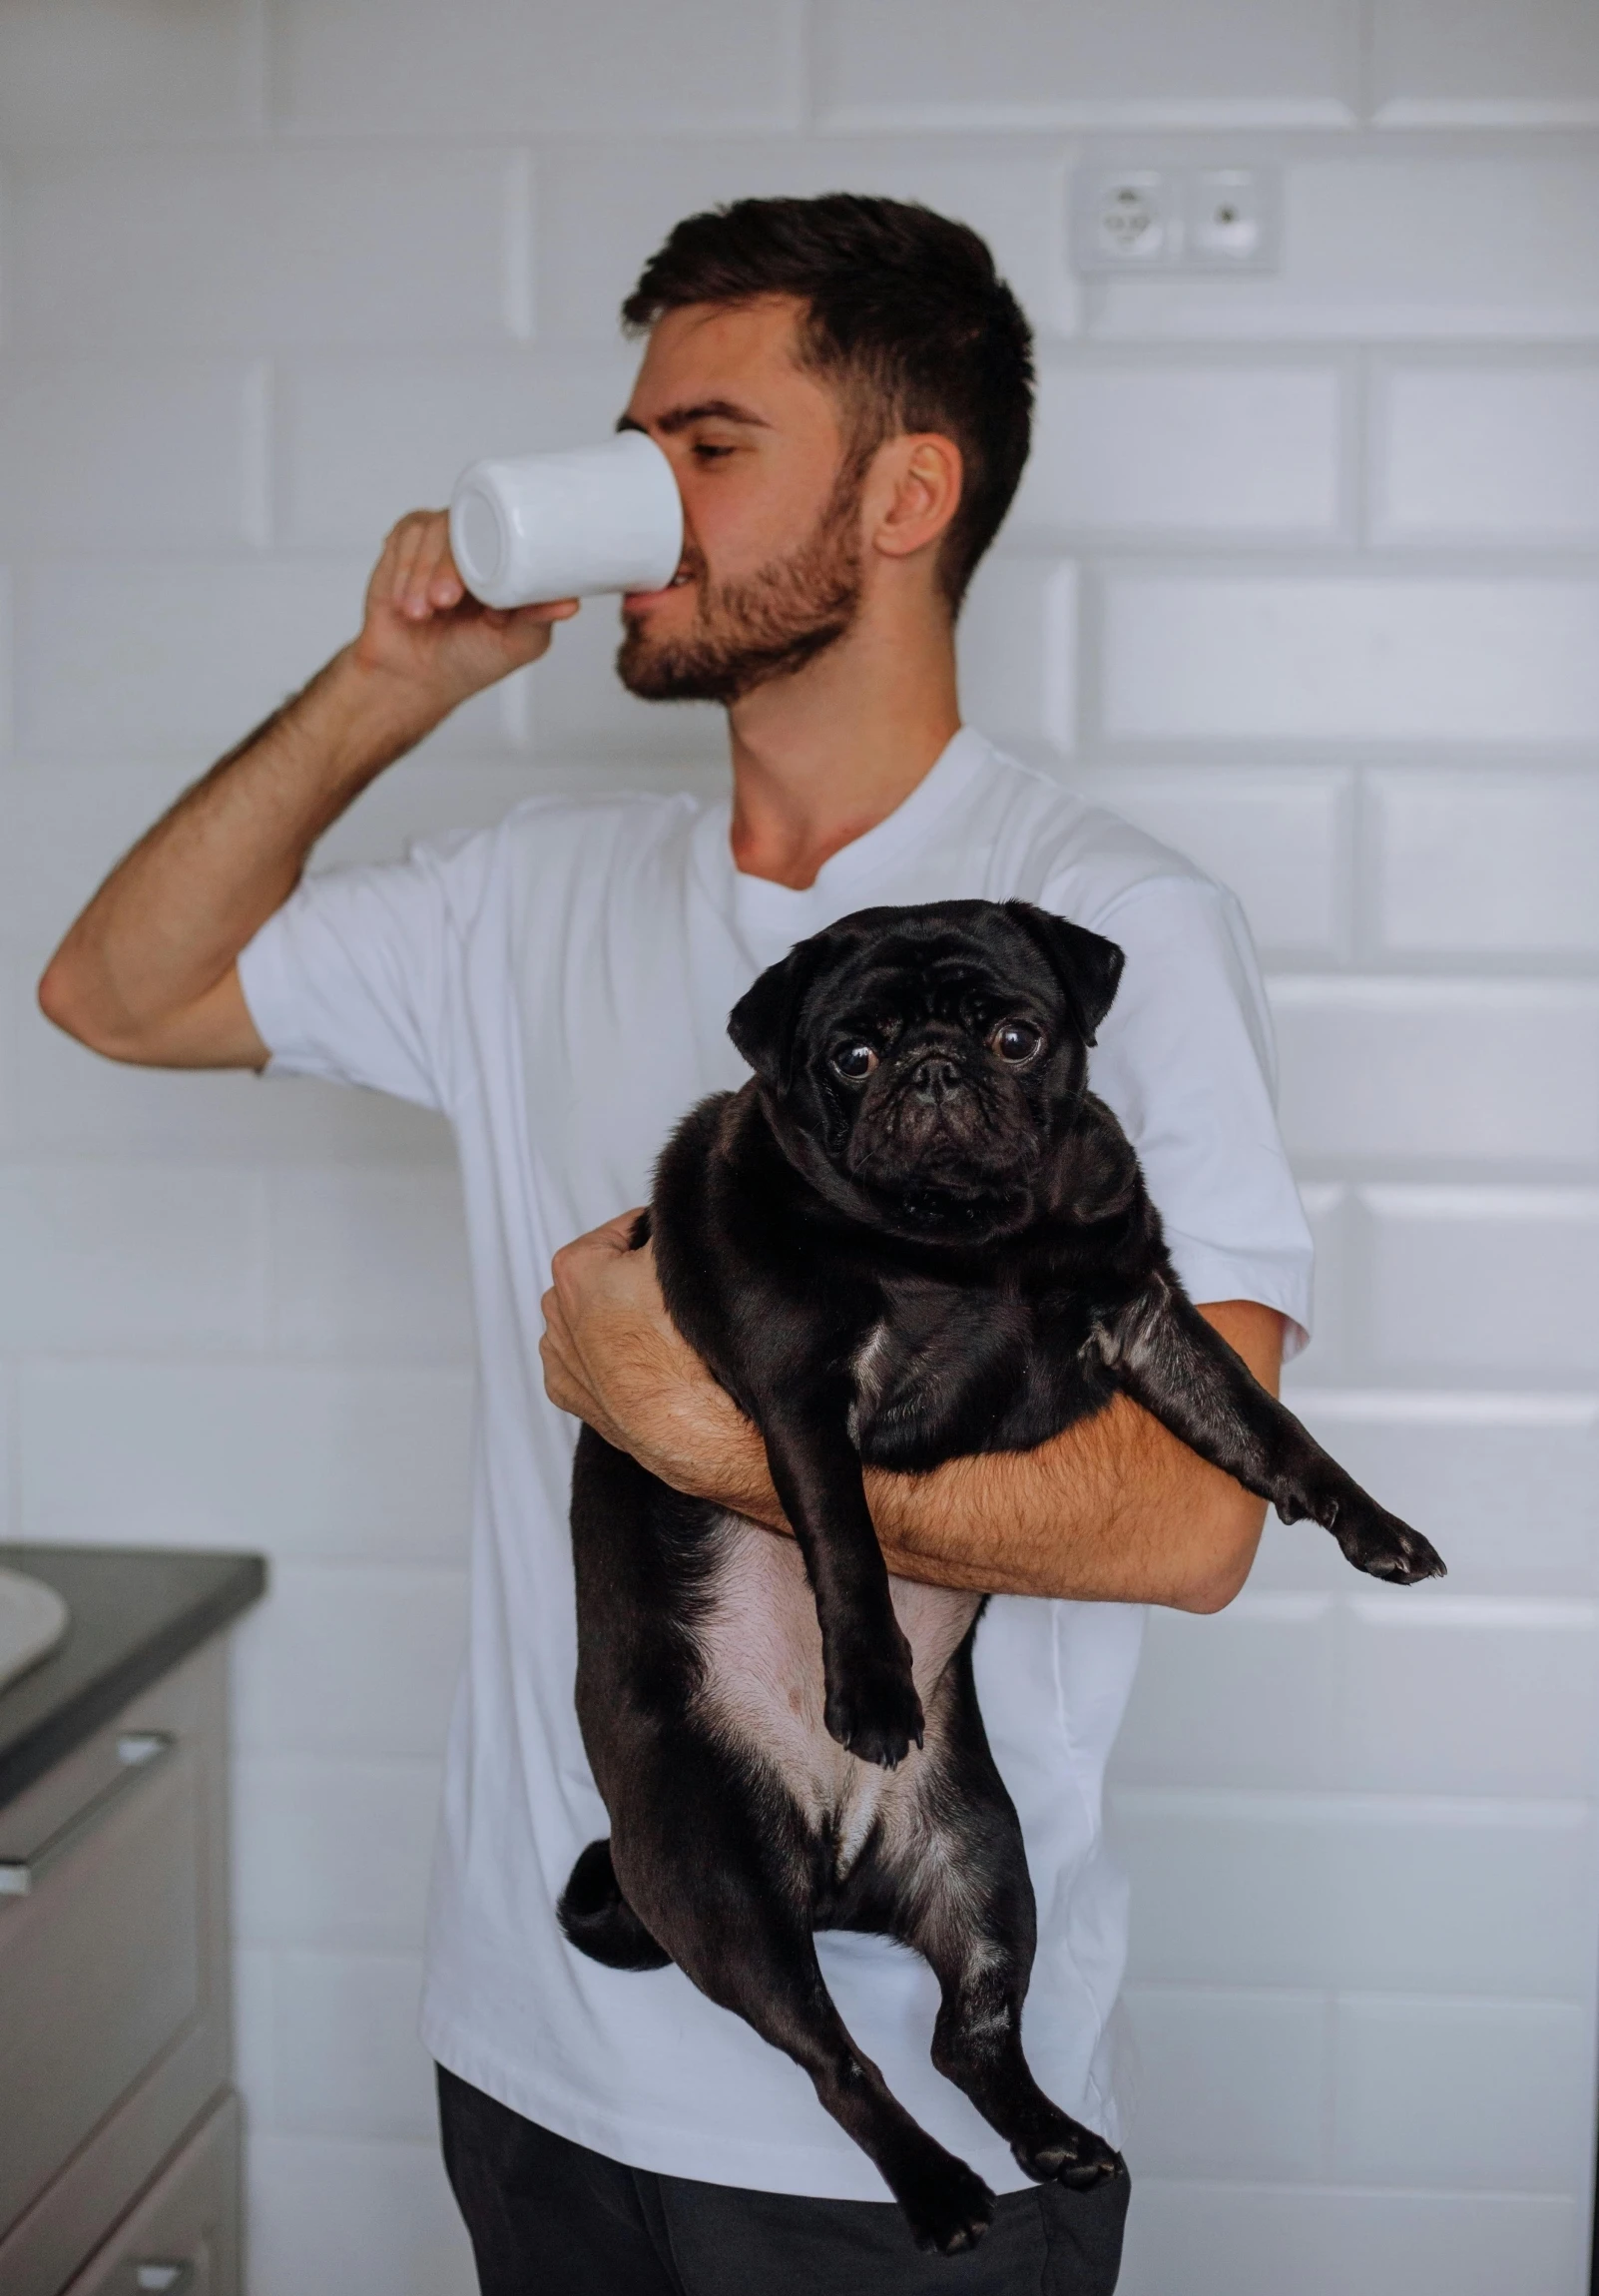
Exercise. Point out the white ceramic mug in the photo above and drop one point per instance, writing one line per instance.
(568, 525)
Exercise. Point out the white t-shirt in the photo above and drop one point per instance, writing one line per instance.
(559, 987)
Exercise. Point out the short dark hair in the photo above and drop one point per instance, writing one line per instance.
(903, 307)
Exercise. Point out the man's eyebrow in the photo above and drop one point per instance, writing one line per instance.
(704, 411)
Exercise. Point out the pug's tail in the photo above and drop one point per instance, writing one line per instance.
(600, 1922)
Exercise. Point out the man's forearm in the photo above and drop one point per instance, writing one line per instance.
(1113, 1510)
(173, 915)
(146, 973)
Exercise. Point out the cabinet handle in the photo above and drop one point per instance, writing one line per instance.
(139, 1752)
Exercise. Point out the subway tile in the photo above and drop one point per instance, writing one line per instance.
(93, 71)
(1488, 1695)
(1330, 1214)
(1246, 1698)
(1017, 648)
(360, 1661)
(326, 2213)
(934, 64)
(111, 1256)
(1506, 1486)
(428, 795)
(369, 1262)
(66, 823)
(139, 455)
(1439, 1071)
(1485, 1280)
(1292, 657)
(1230, 2083)
(1465, 2094)
(1428, 246)
(346, 2060)
(332, 1853)
(314, 1463)
(1263, 2240)
(1491, 864)
(266, 247)
(1152, 450)
(155, 656)
(253, 2031)
(1280, 838)
(603, 212)
(1443, 1896)
(1485, 63)
(362, 67)
(1486, 454)
(363, 438)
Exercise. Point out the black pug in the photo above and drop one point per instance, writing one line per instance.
(914, 1234)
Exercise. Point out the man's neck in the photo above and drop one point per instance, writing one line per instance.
(823, 757)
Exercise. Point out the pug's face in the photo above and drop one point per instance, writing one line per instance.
(920, 1065)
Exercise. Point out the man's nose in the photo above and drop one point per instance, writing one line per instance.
(935, 1078)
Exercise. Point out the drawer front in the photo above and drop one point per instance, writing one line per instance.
(183, 2237)
(114, 2020)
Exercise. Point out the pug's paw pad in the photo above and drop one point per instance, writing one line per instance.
(1070, 2154)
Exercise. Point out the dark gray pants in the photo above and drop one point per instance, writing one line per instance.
(550, 2218)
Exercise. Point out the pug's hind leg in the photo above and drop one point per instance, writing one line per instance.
(773, 1980)
(973, 1920)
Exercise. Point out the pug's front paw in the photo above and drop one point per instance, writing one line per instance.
(1380, 1544)
(872, 1709)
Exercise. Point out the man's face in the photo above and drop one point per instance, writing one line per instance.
(770, 569)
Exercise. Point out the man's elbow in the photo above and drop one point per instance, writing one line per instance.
(1227, 1556)
(64, 1002)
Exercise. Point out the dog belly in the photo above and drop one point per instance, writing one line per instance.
(761, 1649)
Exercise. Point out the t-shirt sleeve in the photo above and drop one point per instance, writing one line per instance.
(357, 977)
(1186, 1059)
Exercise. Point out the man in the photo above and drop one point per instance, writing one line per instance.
(843, 387)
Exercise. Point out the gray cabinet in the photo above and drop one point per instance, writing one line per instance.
(119, 2145)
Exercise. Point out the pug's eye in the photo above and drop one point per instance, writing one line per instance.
(1017, 1042)
(854, 1062)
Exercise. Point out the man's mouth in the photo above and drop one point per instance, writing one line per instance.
(636, 598)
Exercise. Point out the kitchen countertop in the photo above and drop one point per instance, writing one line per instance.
(136, 1611)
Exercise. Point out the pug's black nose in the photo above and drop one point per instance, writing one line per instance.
(935, 1078)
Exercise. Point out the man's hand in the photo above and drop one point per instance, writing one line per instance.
(612, 1355)
(426, 635)
(1115, 1510)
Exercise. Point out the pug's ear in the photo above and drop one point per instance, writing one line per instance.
(764, 1022)
(1087, 965)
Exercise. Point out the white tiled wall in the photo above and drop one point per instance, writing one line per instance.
(1305, 577)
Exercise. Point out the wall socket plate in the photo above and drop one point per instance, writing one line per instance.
(1130, 220)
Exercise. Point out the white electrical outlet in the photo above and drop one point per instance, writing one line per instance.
(1176, 219)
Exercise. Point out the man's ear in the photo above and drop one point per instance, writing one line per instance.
(1087, 965)
(763, 1023)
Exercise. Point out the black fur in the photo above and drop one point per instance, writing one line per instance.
(952, 1251)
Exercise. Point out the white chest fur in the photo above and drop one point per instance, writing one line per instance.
(762, 1651)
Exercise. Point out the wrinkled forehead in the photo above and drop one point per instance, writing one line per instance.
(937, 970)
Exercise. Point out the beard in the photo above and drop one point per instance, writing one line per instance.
(767, 625)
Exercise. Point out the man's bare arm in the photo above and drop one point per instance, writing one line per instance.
(148, 974)
(1113, 1511)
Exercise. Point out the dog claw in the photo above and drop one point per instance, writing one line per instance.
(1069, 2154)
(1388, 1549)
